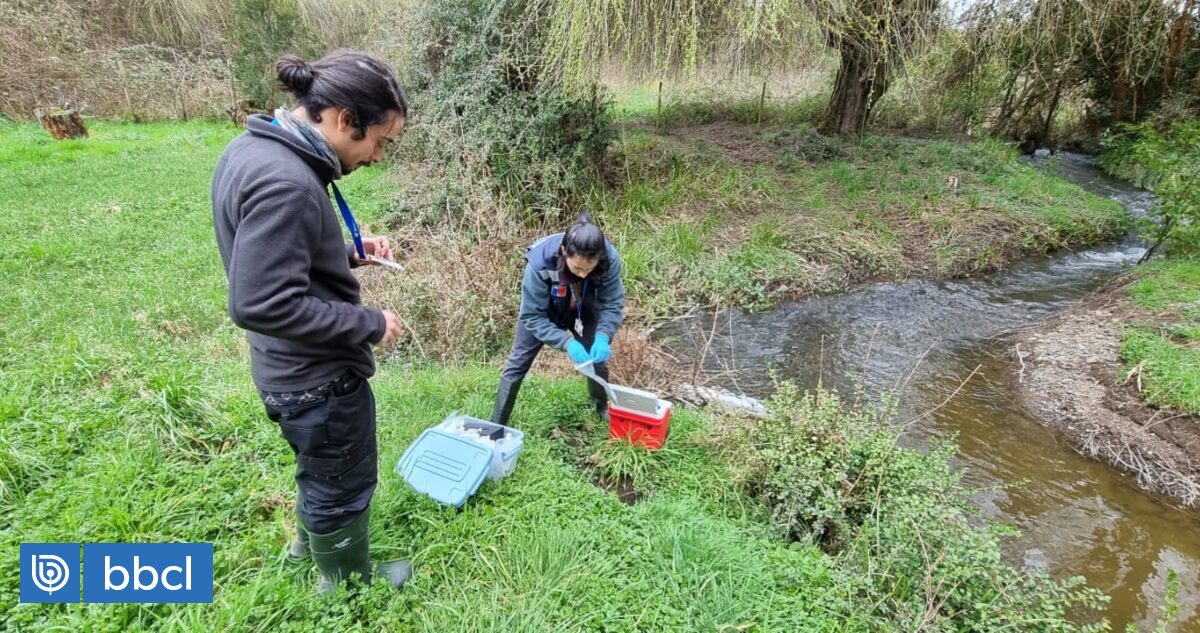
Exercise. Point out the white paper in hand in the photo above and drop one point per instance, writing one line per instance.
(388, 263)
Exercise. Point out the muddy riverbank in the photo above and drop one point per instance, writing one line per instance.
(1070, 373)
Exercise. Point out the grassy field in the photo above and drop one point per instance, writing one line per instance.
(127, 415)
(1166, 351)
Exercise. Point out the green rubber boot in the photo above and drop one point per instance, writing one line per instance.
(345, 552)
(297, 551)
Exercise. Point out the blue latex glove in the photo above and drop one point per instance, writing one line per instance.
(600, 349)
(577, 352)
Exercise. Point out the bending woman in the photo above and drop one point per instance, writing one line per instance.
(572, 299)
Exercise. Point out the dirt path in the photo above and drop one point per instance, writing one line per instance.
(1070, 373)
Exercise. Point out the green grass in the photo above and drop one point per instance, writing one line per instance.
(1170, 372)
(751, 216)
(1166, 355)
(635, 100)
(684, 104)
(1168, 284)
(127, 415)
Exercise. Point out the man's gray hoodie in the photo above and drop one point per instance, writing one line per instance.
(288, 266)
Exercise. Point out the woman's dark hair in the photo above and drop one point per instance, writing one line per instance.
(360, 83)
(586, 240)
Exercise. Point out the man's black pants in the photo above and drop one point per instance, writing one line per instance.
(331, 430)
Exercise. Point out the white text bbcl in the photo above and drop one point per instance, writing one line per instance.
(153, 573)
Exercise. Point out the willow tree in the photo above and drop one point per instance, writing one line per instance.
(1118, 59)
(872, 38)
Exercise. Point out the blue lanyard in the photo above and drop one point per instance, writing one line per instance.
(350, 223)
(579, 299)
(347, 216)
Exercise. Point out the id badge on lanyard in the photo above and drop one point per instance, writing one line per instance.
(579, 308)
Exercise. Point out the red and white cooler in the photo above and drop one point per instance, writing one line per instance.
(638, 417)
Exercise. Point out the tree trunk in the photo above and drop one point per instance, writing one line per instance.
(1179, 37)
(1058, 88)
(62, 123)
(859, 82)
(1119, 97)
(1007, 105)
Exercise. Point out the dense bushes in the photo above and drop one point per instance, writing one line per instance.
(898, 521)
(1169, 164)
(263, 31)
(486, 118)
(171, 59)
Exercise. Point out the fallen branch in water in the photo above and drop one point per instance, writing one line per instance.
(948, 398)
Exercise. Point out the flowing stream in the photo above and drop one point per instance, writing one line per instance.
(922, 339)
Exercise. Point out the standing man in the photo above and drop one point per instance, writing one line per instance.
(291, 289)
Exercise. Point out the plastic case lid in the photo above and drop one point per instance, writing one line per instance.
(661, 411)
(631, 399)
(446, 467)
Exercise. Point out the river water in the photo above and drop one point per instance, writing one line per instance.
(922, 339)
